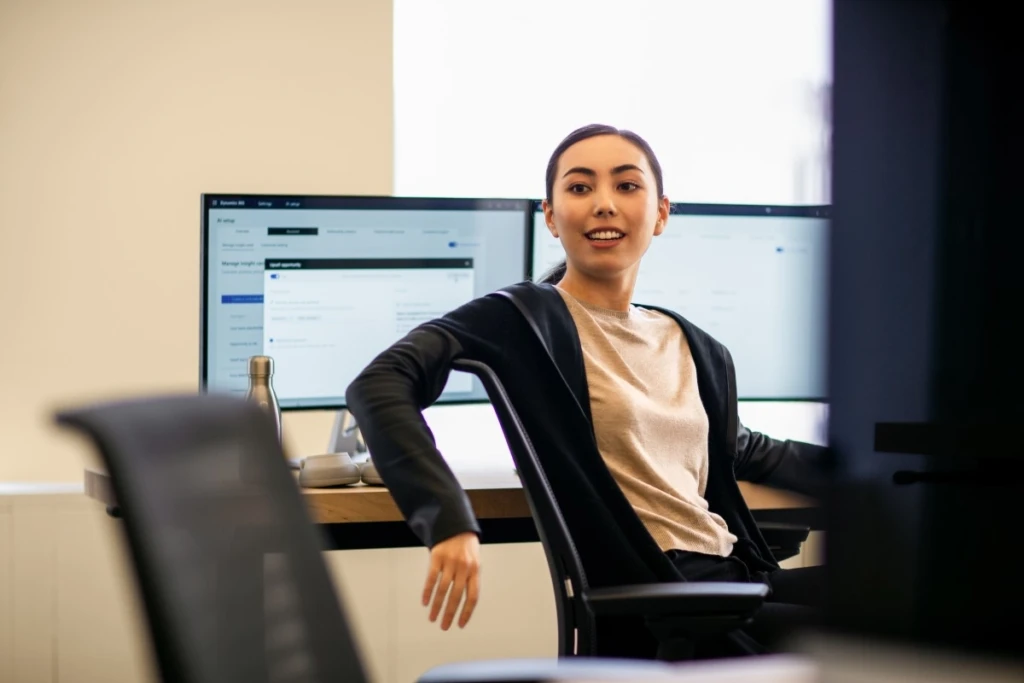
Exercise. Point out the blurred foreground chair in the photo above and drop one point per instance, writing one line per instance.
(228, 562)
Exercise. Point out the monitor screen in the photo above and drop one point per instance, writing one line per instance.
(324, 284)
(753, 277)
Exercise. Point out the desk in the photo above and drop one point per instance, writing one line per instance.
(362, 517)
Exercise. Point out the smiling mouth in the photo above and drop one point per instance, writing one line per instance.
(604, 235)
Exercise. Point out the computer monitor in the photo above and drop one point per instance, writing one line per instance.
(753, 277)
(323, 284)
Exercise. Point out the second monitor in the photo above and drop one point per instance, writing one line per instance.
(753, 277)
(323, 284)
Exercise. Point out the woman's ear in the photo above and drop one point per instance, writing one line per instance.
(664, 207)
(549, 217)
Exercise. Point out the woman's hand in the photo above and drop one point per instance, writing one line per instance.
(454, 565)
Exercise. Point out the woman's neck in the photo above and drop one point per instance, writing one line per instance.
(614, 293)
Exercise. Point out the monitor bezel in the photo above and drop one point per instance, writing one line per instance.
(362, 202)
(706, 209)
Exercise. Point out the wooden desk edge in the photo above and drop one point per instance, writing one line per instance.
(359, 503)
(375, 504)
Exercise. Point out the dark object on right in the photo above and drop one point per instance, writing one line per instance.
(926, 373)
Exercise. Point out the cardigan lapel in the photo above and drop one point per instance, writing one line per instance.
(546, 313)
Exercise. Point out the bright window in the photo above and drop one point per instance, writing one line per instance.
(732, 94)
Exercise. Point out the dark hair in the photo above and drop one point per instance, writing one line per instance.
(593, 130)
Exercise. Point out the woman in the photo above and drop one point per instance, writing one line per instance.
(632, 409)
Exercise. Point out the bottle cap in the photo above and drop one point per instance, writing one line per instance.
(261, 366)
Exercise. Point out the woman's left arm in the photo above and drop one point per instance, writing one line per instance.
(792, 465)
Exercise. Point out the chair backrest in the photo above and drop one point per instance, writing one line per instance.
(576, 634)
(228, 563)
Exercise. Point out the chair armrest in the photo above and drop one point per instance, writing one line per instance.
(784, 535)
(680, 599)
(814, 517)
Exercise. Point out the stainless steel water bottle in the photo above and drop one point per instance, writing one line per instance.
(261, 388)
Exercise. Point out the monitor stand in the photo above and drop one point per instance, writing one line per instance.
(346, 437)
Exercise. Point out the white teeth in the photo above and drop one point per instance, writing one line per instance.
(605, 235)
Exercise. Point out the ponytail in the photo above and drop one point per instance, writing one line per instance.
(553, 276)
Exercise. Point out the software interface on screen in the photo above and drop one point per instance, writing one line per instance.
(324, 284)
(752, 277)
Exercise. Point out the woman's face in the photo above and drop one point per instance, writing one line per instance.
(605, 207)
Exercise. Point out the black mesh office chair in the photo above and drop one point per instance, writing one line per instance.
(227, 560)
(678, 614)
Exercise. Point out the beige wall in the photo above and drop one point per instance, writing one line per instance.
(114, 116)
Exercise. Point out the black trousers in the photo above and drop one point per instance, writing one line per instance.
(793, 604)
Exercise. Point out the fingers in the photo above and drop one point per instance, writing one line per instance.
(472, 595)
(454, 581)
(433, 573)
(454, 598)
(453, 577)
(442, 590)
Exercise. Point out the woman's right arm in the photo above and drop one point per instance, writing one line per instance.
(387, 400)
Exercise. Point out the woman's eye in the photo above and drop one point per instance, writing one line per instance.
(577, 188)
(629, 187)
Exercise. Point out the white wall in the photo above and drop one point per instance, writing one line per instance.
(114, 116)
(67, 602)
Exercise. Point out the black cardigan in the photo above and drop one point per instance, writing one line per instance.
(527, 336)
